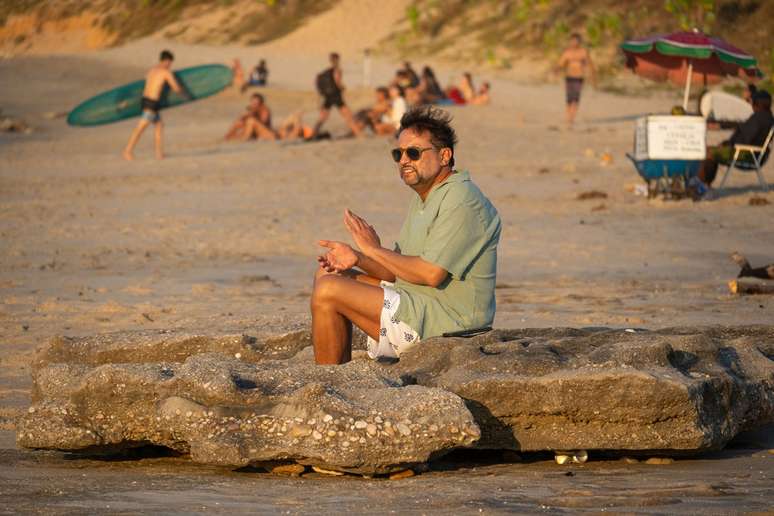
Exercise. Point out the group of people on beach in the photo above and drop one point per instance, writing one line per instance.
(408, 88)
(383, 117)
(424, 88)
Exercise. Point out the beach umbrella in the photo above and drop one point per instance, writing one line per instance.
(686, 57)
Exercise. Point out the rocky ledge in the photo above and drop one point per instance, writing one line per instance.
(239, 400)
(680, 389)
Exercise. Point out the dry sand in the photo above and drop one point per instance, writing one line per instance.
(90, 243)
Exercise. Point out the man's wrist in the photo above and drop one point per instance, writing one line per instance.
(369, 252)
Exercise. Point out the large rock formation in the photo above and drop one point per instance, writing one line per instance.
(238, 400)
(683, 389)
(116, 392)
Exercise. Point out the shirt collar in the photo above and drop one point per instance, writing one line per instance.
(454, 177)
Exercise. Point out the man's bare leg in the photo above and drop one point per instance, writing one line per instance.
(291, 128)
(254, 127)
(339, 301)
(324, 114)
(350, 120)
(235, 130)
(572, 111)
(159, 139)
(134, 138)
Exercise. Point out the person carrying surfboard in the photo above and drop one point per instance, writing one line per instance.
(331, 88)
(158, 77)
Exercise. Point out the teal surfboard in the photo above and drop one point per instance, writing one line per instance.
(125, 101)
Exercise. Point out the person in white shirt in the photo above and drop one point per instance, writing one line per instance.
(390, 121)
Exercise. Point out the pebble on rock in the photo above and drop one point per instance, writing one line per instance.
(293, 470)
(660, 460)
(324, 471)
(398, 475)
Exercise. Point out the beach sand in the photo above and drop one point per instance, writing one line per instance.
(221, 237)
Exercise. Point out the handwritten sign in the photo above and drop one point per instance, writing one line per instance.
(670, 137)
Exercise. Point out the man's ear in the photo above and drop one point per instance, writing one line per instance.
(446, 156)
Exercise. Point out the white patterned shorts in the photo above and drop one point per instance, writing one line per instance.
(395, 337)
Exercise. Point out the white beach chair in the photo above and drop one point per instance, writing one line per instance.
(759, 156)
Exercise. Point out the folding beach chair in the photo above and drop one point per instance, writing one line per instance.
(759, 156)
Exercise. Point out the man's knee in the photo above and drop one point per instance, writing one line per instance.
(326, 287)
(320, 273)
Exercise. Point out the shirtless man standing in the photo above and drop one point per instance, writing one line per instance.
(157, 78)
(574, 61)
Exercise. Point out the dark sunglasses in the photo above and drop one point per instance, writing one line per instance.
(413, 153)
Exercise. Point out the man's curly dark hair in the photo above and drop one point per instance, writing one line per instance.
(436, 121)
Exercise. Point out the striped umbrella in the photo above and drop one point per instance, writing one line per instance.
(684, 57)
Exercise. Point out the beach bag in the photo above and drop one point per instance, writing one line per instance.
(326, 84)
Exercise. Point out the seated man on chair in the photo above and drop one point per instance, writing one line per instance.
(439, 278)
(752, 131)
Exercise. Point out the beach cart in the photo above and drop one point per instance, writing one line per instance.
(668, 151)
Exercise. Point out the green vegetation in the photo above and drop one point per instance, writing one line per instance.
(690, 14)
(601, 27)
(495, 32)
(489, 32)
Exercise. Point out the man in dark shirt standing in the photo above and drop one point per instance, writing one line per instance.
(331, 88)
(752, 131)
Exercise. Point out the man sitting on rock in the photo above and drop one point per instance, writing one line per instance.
(439, 278)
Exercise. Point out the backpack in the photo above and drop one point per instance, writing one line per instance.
(326, 84)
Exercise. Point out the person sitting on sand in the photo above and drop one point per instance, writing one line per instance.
(411, 75)
(429, 89)
(466, 87)
(753, 131)
(255, 123)
(439, 278)
(482, 97)
(331, 88)
(293, 128)
(401, 78)
(157, 78)
(368, 117)
(574, 62)
(463, 92)
(259, 76)
(389, 122)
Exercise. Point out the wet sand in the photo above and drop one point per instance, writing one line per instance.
(735, 481)
(221, 237)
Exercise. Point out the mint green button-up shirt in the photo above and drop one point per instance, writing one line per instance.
(456, 228)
